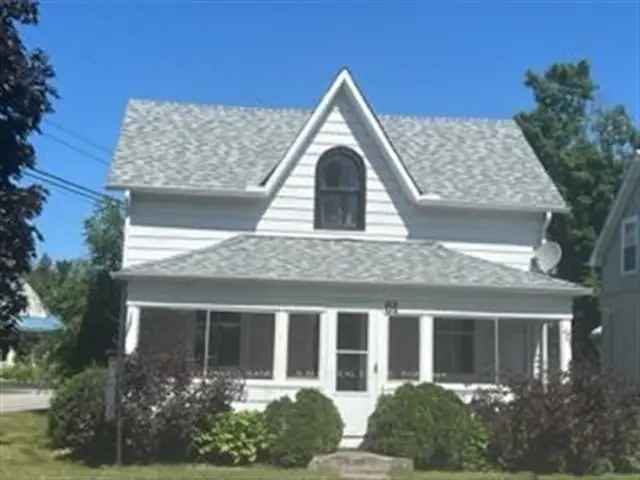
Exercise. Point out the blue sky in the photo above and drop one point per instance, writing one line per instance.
(421, 58)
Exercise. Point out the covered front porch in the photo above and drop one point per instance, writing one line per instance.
(460, 350)
(352, 318)
(351, 353)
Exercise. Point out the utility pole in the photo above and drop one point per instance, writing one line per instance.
(120, 370)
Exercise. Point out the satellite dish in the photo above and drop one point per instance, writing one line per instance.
(548, 256)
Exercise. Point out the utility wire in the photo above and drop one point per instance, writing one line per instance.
(75, 185)
(78, 136)
(85, 196)
(81, 151)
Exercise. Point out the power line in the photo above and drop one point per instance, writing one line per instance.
(78, 136)
(75, 185)
(76, 149)
(85, 196)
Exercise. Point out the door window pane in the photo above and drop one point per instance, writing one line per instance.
(303, 345)
(352, 372)
(404, 348)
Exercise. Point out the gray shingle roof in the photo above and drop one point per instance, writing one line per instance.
(306, 259)
(185, 146)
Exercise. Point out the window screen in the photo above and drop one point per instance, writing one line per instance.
(304, 330)
(238, 340)
(404, 348)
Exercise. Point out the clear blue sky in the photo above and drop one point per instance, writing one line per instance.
(423, 58)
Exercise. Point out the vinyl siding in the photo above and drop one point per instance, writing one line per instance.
(621, 305)
(162, 226)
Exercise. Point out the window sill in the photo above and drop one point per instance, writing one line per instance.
(286, 384)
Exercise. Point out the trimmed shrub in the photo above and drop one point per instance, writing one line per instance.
(76, 415)
(583, 422)
(300, 429)
(233, 438)
(429, 424)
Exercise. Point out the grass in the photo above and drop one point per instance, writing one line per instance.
(25, 455)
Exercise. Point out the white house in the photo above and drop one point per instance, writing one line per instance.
(337, 248)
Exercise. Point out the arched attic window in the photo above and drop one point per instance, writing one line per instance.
(340, 191)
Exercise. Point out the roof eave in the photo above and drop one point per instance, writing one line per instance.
(249, 192)
(616, 210)
(263, 192)
(425, 200)
(560, 291)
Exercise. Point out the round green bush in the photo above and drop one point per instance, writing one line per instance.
(232, 437)
(77, 414)
(429, 424)
(300, 429)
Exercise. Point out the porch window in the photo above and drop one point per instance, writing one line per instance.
(304, 330)
(168, 333)
(553, 347)
(237, 340)
(404, 348)
(464, 350)
(630, 245)
(340, 191)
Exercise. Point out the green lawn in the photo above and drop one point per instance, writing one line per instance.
(25, 455)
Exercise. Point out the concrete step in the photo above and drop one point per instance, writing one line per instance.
(359, 465)
(364, 476)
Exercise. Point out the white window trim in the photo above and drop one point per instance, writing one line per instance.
(629, 220)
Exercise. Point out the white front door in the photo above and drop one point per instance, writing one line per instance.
(354, 383)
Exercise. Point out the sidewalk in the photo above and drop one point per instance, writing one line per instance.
(19, 399)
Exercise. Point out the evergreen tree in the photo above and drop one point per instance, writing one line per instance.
(99, 326)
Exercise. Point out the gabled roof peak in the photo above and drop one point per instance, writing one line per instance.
(246, 151)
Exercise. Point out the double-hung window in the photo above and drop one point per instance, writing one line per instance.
(340, 191)
(629, 247)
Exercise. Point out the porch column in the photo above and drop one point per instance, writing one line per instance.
(132, 330)
(280, 346)
(545, 351)
(564, 330)
(426, 348)
(496, 351)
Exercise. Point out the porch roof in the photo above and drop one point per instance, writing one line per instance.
(346, 261)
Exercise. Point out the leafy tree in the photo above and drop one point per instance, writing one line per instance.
(584, 148)
(25, 96)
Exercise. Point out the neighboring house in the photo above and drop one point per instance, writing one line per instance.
(617, 257)
(34, 323)
(337, 248)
